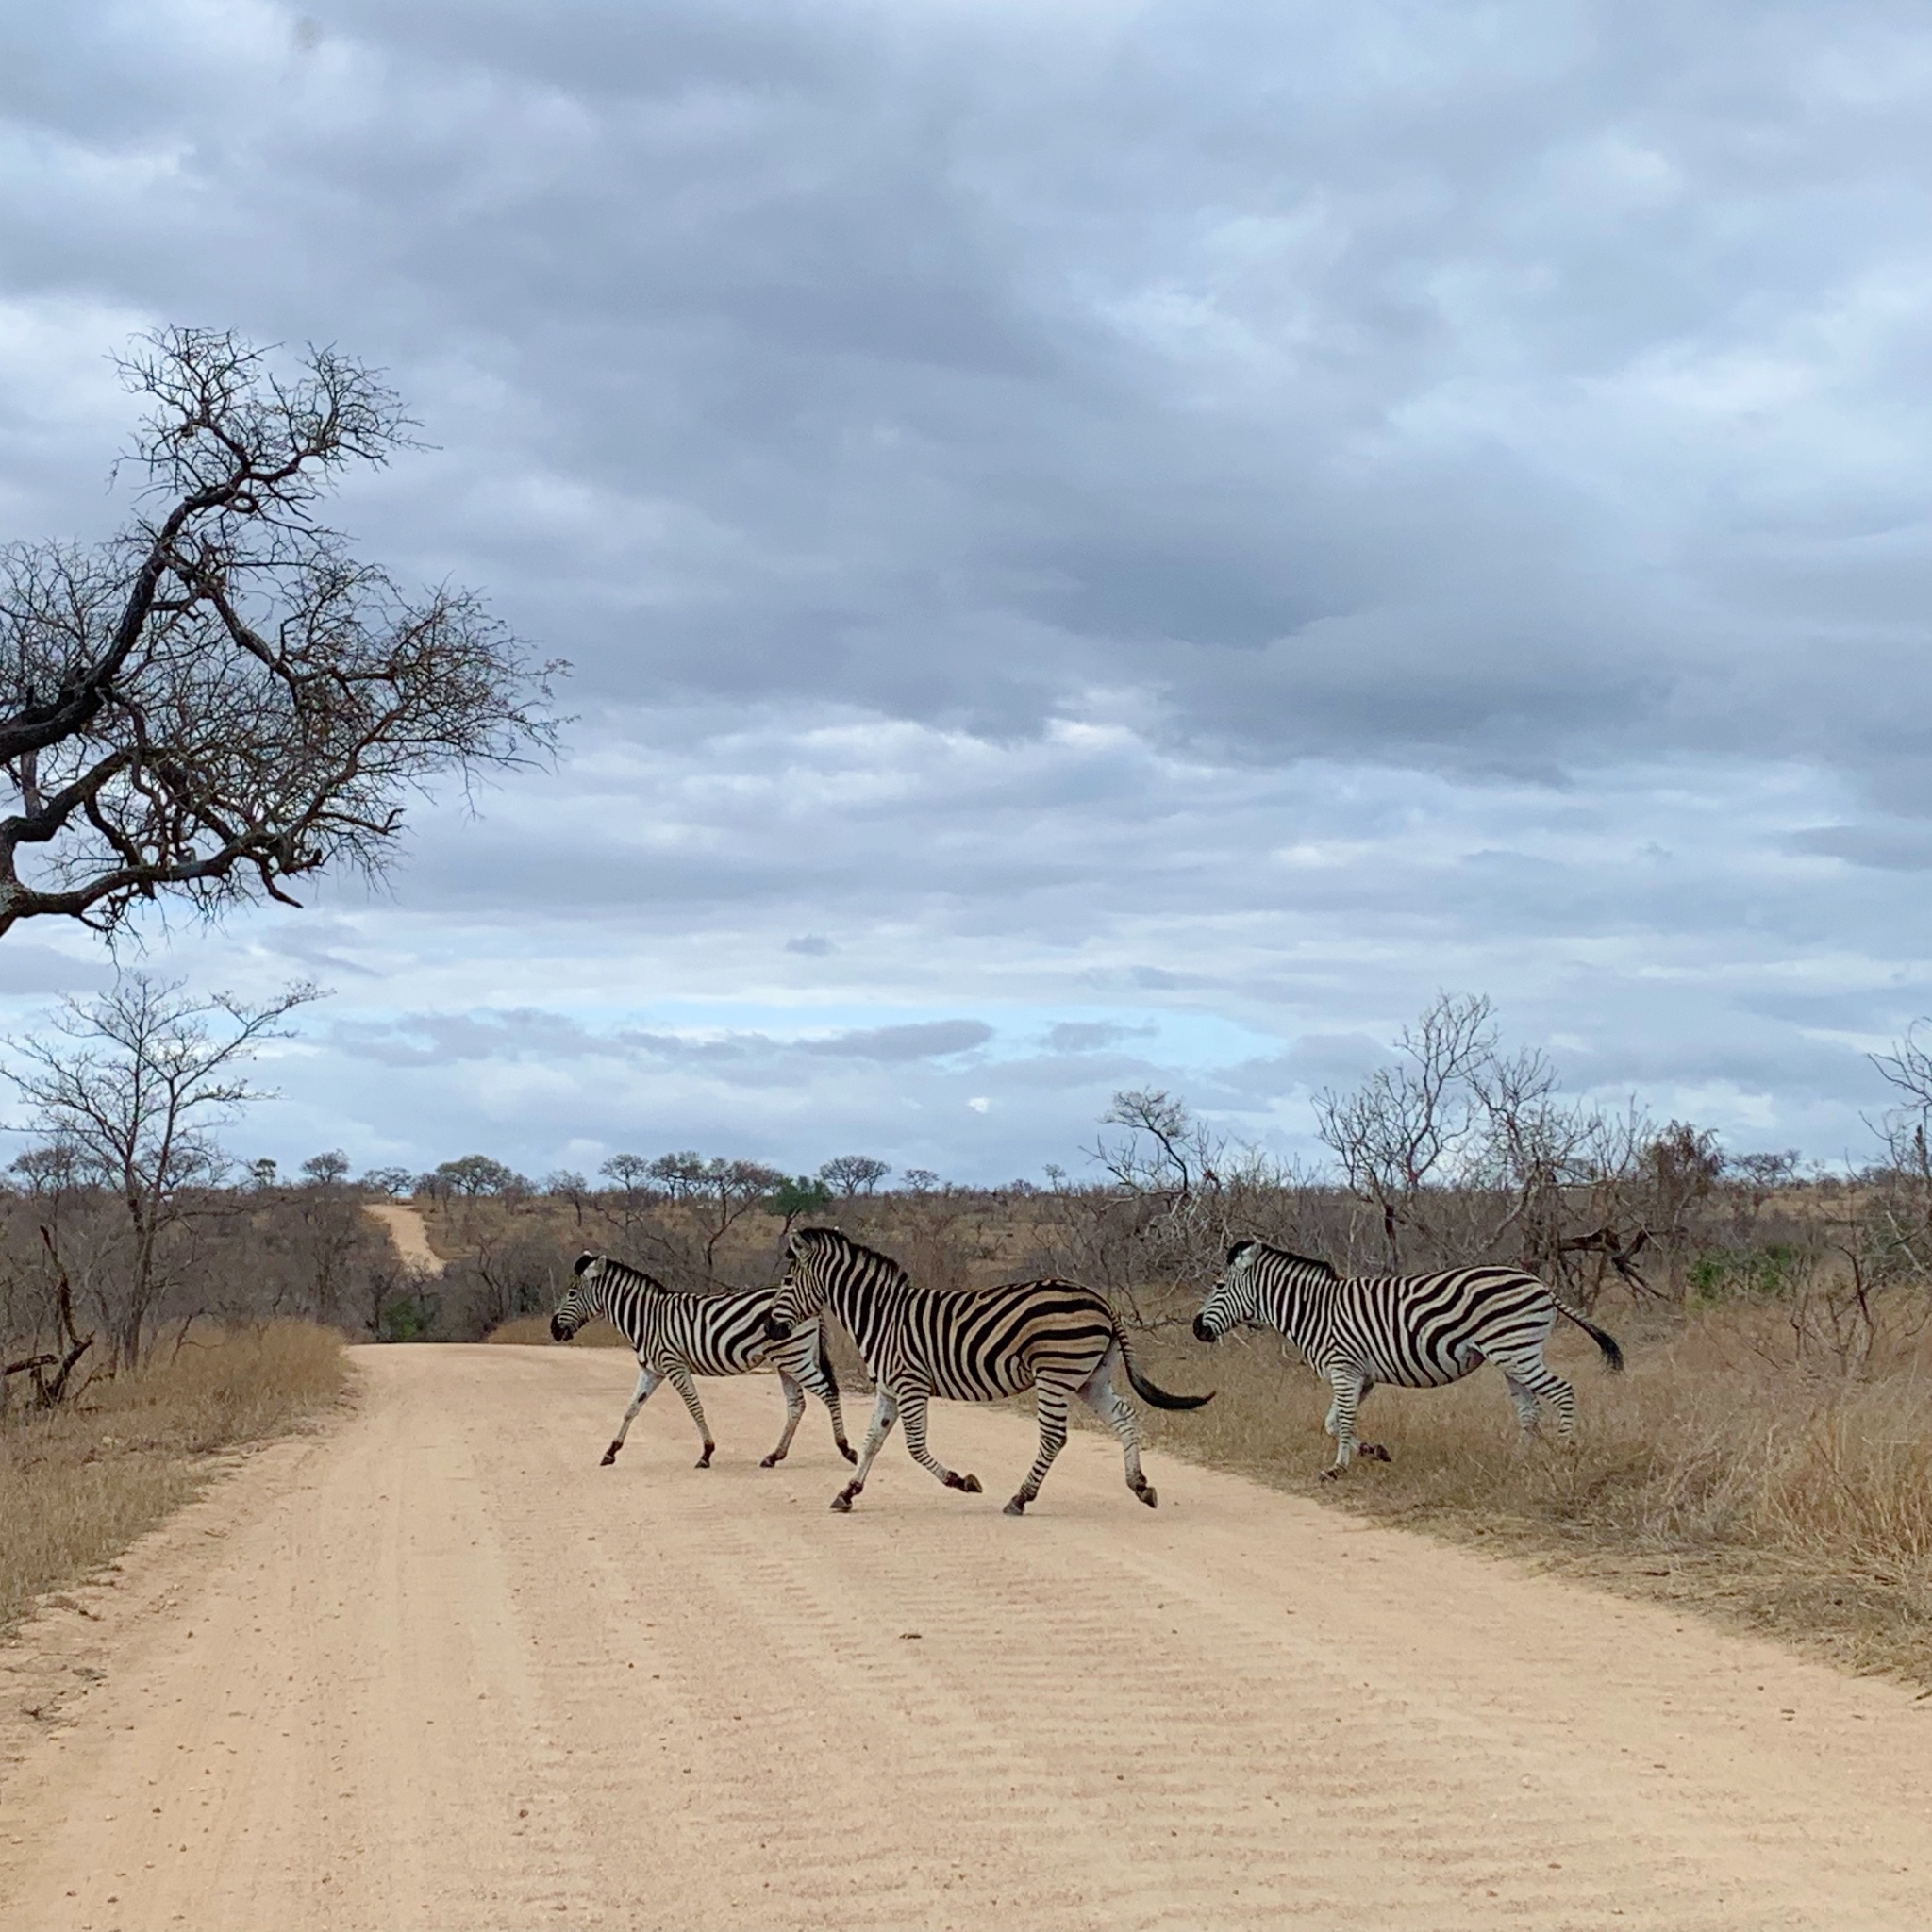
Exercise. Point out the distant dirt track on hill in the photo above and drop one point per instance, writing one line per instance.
(434, 1668)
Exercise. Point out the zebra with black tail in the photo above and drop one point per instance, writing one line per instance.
(1417, 1331)
(679, 1336)
(971, 1345)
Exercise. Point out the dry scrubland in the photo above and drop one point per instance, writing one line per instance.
(78, 1484)
(1767, 1457)
(1712, 1474)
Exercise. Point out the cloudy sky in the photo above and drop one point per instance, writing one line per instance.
(1101, 544)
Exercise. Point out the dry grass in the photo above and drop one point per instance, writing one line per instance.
(527, 1331)
(1716, 1473)
(78, 1486)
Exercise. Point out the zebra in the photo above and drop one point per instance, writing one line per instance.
(1416, 1331)
(972, 1346)
(677, 1335)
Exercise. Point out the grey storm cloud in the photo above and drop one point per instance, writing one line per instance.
(1225, 513)
(1528, 396)
(932, 1040)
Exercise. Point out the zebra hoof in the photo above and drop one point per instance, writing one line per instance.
(608, 1456)
(843, 1503)
(1016, 1508)
(769, 1462)
(970, 1484)
(1149, 1495)
(1331, 1475)
(1372, 1452)
(848, 1451)
(704, 1462)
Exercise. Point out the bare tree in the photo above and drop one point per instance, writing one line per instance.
(854, 1174)
(132, 1085)
(731, 1189)
(632, 1175)
(566, 1185)
(221, 698)
(1403, 1128)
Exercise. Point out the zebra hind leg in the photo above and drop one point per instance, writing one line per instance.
(795, 1413)
(884, 1409)
(1523, 1399)
(822, 1385)
(1114, 1409)
(647, 1380)
(1539, 1382)
(680, 1381)
(912, 1408)
(1052, 1439)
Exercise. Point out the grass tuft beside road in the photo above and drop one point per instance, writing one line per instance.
(77, 1485)
(528, 1331)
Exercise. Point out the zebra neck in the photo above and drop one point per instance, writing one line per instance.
(1288, 1304)
(867, 1308)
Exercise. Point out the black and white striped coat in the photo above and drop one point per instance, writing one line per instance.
(1417, 1331)
(679, 1336)
(972, 1346)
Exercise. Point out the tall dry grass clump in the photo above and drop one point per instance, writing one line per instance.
(77, 1485)
(1725, 1469)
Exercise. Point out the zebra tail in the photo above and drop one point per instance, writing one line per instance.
(1613, 1356)
(1148, 1392)
(826, 1368)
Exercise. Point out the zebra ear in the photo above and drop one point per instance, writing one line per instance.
(582, 1262)
(1235, 1252)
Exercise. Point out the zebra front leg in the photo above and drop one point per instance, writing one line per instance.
(1369, 1452)
(883, 1411)
(912, 1407)
(1347, 1385)
(1117, 1413)
(680, 1381)
(647, 1380)
(795, 1412)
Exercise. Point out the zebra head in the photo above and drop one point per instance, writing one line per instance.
(808, 1281)
(581, 1301)
(1231, 1301)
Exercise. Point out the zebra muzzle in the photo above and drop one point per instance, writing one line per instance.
(1202, 1331)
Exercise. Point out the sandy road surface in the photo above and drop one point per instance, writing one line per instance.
(435, 1668)
(403, 1227)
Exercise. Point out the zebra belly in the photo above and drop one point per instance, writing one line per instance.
(1431, 1369)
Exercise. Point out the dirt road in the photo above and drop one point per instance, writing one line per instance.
(435, 1668)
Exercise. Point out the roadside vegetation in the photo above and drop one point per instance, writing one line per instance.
(80, 1482)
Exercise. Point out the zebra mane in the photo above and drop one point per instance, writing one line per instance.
(1322, 1268)
(838, 1238)
(619, 1274)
